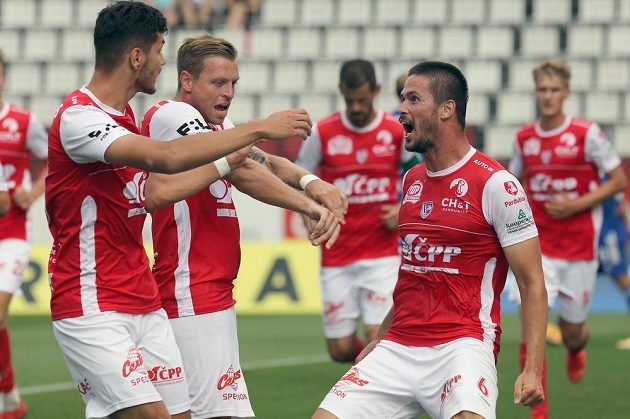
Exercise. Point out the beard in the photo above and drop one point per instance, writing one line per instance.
(146, 82)
(425, 140)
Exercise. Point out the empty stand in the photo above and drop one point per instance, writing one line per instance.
(427, 12)
(468, 11)
(555, 11)
(495, 42)
(506, 11)
(603, 108)
(598, 11)
(57, 13)
(585, 41)
(269, 104)
(18, 13)
(355, 12)
(540, 41)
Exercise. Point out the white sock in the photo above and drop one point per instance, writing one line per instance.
(11, 400)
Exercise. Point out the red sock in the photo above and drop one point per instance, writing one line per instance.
(358, 347)
(7, 380)
(541, 410)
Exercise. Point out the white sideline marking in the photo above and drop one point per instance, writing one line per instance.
(255, 365)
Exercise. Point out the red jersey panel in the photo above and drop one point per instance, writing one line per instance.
(364, 164)
(197, 240)
(565, 161)
(454, 225)
(96, 213)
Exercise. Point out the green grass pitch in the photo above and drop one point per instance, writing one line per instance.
(288, 373)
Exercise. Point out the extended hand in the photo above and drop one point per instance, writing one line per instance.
(323, 226)
(329, 196)
(237, 158)
(562, 207)
(22, 197)
(390, 215)
(287, 124)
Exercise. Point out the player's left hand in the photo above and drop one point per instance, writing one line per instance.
(22, 197)
(528, 389)
(323, 226)
(390, 215)
(329, 196)
(562, 207)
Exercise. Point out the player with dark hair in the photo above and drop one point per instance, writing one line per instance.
(464, 220)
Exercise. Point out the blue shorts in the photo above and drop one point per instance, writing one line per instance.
(612, 252)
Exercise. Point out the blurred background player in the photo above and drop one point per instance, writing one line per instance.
(400, 85)
(461, 228)
(22, 138)
(196, 290)
(361, 152)
(558, 157)
(5, 199)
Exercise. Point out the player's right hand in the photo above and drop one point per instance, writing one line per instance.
(287, 124)
(237, 158)
(368, 348)
(528, 389)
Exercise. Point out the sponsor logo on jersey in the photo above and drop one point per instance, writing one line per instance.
(133, 362)
(522, 222)
(195, 125)
(568, 148)
(455, 205)
(542, 182)
(9, 131)
(483, 165)
(416, 248)
(361, 155)
(510, 187)
(134, 192)
(385, 144)
(426, 209)
(101, 134)
(514, 201)
(413, 193)
(339, 144)
(361, 189)
(84, 386)
(461, 187)
(229, 379)
(449, 385)
(531, 147)
(545, 156)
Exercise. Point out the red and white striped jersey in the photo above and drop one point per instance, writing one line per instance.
(564, 161)
(96, 213)
(197, 240)
(365, 164)
(454, 225)
(21, 134)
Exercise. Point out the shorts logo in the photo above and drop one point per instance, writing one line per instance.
(376, 298)
(413, 193)
(164, 375)
(426, 209)
(352, 377)
(449, 385)
(133, 362)
(229, 379)
(84, 387)
(510, 187)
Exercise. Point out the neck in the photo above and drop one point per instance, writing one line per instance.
(552, 122)
(446, 153)
(113, 89)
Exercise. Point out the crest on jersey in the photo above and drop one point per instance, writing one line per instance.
(531, 147)
(339, 144)
(461, 187)
(362, 155)
(413, 193)
(510, 187)
(426, 209)
(545, 156)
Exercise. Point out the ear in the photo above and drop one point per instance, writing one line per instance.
(186, 80)
(377, 89)
(447, 109)
(136, 58)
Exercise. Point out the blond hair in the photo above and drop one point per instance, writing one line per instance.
(553, 67)
(194, 51)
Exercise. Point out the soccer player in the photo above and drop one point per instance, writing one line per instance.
(106, 308)
(463, 220)
(361, 152)
(558, 157)
(196, 289)
(22, 136)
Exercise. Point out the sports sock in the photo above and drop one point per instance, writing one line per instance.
(7, 380)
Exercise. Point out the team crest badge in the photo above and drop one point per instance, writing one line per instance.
(413, 193)
(461, 187)
(545, 156)
(510, 187)
(426, 209)
(362, 155)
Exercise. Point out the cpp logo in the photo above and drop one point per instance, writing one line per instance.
(414, 246)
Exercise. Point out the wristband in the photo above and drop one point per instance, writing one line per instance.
(306, 179)
(222, 166)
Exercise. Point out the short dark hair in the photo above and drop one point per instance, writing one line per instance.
(123, 26)
(355, 73)
(447, 83)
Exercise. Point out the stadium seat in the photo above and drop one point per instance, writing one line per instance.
(318, 105)
(626, 109)
(380, 43)
(242, 109)
(40, 44)
(17, 100)
(507, 11)
(167, 80)
(398, 67)
(45, 107)
(56, 13)
(603, 108)
(612, 75)
(269, 104)
(540, 41)
(582, 77)
(18, 13)
(278, 12)
(317, 13)
(619, 40)
(74, 45)
(290, 77)
(515, 108)
(392, 12)
(341, 42)
(418, 43)
(478, 110)
(499, 139)
(354, 12)
(556, 11)
(304, 42)
(237, 37)
(483, 76)
(495, 42)
(325, 76)
(255, 77)
(455, 42)
(428, 12)
(61, 78)
(599, 11)
(267, 43)
(624, 11)
(619, 136)
(585, 41)
(468, 11)
(87, 11)
(10, 44)
(574, 105)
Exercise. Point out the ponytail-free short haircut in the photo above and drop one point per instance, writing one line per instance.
(355, 73)
(122, 26)
(447, 83)
(553, 67)
(195, 50)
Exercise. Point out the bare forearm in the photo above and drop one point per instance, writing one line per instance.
(386, 324)
(534, 324)
(616, 183)
(5, 203)
(40, 184)
(290, 173)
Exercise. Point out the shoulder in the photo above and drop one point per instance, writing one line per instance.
(526, 131)
(333, 119)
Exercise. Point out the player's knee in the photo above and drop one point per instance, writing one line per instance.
(340, 355)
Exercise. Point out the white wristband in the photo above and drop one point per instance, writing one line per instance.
(306, 179)
(222, 166)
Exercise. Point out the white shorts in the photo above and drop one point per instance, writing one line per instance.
(398, 381)
(14, 256)
(209, 347)
(571, 280)
(120, 360)
(363, 288)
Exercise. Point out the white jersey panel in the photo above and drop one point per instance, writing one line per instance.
(37, 139)
(87, 252)
(516, 162)
(176, 119)
(310, 155)
(599, 150)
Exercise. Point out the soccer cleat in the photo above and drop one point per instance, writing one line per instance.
(576, 365)
(554, 335)
(18, 413)
(623, 343)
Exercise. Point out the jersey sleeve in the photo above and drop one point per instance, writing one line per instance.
(176, 119)
(37, 139)
(505, 207)
(3, 181)
(516, 161)
(86, 132)
(599, 150)
(310, 155)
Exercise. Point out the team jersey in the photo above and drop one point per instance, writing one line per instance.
(364, 164)
(21, 134)
(563, 161)
(453, 225)
(95, 214)
(197, 240)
